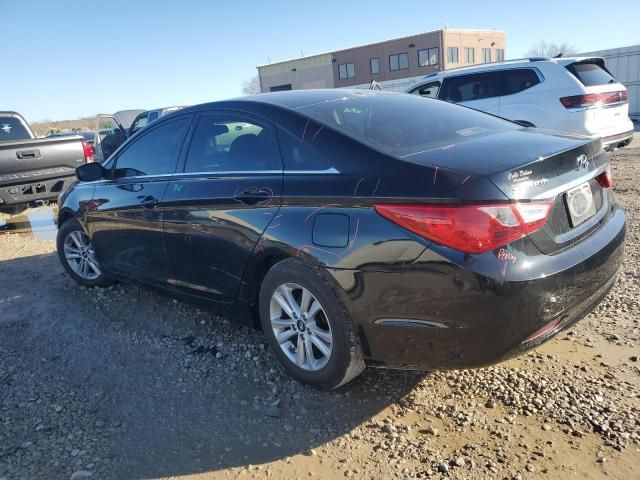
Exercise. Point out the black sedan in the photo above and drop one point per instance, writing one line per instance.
(356, 227)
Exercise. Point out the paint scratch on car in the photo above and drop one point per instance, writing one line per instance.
(305, 248)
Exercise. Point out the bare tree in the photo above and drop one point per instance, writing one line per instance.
(251, 86)
(550, 49)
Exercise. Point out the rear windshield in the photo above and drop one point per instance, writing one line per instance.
(401, 124)
(591, 74)
(12, 129)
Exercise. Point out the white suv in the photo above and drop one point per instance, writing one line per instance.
(576, 95)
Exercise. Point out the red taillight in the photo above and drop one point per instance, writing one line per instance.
(594, 99)
(579, 101)
(604, 179)
(89, 152)
(547, 328)
(469, 228)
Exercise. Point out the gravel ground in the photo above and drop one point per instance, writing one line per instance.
(127, 383)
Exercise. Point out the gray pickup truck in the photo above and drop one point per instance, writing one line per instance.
(34, 171)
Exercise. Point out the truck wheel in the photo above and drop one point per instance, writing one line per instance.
(308, 327)
(78, 257)
(12, 210)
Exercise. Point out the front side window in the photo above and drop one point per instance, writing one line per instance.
(486, 55)
(12, 129)
(499, 54)
(110, 136)
(232, 143)
(469, 55)
(375, 66)
(155, 152)
(347, 70)
(107, 126)
(517, 80)
(403, 125)
(430, 90)
(153, 116)
(466, 88)
(138, 123)
(398, 61)
(428, 56)
(452, 54)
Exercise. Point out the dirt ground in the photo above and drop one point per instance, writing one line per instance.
(126, 383)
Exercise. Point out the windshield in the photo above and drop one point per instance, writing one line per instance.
(12, 129)
(402, 125)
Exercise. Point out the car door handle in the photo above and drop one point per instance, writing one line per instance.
(149, 202)
(27, 154)
(253, 195)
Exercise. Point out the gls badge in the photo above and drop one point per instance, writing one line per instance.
(582, 162)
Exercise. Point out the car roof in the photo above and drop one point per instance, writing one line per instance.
(515, 63)
(165, 109)
(290, 99)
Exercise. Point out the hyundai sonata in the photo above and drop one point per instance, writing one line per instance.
(356, 227)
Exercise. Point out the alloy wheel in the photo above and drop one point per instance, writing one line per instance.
(301, 327)
(80, 255)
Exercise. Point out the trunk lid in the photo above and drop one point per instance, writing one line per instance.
(533, 164)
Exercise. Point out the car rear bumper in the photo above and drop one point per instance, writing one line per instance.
(441, 315)
(618, 141)
(33, 191)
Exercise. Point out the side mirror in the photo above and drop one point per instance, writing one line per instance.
(90, 172)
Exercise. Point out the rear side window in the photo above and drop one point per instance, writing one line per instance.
(155, 152)
(402, 125)
(517, 80)
(591, 74)
(466, 88)
(298, 156)
(12, 129)
(229, 143)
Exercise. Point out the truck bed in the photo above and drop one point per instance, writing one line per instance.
(37, 170)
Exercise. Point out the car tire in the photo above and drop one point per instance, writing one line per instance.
(330, 321)
(72, 240)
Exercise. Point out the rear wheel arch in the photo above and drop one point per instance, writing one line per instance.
(64, 216)
(254, 276)
(346, 360)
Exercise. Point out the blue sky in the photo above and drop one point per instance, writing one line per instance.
(63, 59)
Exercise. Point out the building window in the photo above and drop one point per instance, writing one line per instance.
(452, 54)
(428, 56)
(375, 65)
(469, 55)
(486, 55)
(499, 54)
(399, 61)
(347, 70)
